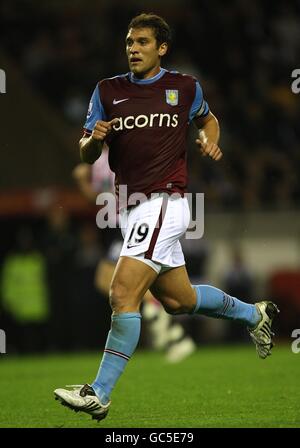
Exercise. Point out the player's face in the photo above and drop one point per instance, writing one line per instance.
(143, 53)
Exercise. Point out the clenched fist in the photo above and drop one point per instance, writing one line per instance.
(209, 148)
(103, 128)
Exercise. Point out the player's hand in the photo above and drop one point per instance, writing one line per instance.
(210, 149)
(103, 128)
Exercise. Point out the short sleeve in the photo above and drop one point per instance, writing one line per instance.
(199, 107)
(95, 111)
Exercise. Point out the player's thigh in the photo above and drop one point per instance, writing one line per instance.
(148, 296)
(131, 279)
(174, 290)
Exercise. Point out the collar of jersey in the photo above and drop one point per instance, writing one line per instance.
(135, 80)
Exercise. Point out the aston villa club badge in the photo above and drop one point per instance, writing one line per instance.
(172, 97)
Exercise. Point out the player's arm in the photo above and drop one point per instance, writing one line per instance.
(83, 177)
(209, 134)
(96, 129)
(91, 147)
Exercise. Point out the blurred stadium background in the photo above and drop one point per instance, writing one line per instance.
(53, 53)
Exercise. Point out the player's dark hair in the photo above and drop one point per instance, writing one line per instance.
(162, 31)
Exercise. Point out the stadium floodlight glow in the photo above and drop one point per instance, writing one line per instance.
(2, 341)
(2, 81)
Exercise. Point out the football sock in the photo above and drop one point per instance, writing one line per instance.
(121, 342)
(213, 302)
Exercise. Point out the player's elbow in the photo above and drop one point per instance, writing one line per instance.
(86, 158)
(90, 149)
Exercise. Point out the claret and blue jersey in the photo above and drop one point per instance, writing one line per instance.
(147, 147)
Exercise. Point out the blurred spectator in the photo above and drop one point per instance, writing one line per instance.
(25, 295)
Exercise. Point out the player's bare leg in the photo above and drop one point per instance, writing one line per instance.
(165, 334)
(177, 295)
(131, 279)
(175, 292)
(166, 331)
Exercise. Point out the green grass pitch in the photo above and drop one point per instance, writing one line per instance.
(215, 387)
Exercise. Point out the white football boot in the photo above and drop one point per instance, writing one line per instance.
(82, 398)
(262, 334)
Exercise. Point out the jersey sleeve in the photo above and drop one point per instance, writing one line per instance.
(199, 107)
(95, 111)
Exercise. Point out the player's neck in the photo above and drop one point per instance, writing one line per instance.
(148, 75)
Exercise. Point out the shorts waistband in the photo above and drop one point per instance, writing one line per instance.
(155, 195)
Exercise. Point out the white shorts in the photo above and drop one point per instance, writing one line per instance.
(152, 230)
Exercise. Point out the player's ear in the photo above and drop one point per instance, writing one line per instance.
(163, 48)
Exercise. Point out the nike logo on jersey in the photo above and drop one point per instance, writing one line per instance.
(119, 101)
(129, 246)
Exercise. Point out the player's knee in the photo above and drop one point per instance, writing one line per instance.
(117, 296)
(122, 299)
(173, 307)
(171, 310)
